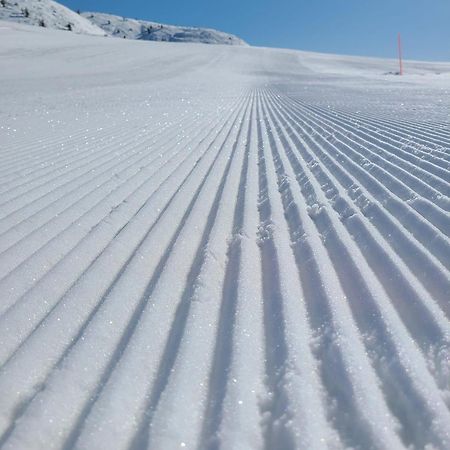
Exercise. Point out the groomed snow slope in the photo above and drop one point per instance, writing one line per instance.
(49, 14)
(123, 27)
(221, 247)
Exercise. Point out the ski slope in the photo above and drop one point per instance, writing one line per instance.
(210, 247)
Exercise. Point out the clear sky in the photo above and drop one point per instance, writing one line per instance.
(356, 27)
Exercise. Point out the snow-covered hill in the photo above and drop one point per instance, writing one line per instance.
(151, 31)
(221, 247)
(47, 13)
(50, 14)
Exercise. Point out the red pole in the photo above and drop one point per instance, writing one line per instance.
(400, 53)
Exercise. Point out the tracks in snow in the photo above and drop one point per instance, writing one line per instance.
(272, 275)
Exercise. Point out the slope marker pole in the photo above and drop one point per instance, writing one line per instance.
(399, 39)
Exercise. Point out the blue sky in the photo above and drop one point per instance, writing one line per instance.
(357, 27)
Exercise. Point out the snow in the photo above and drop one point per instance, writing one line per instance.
(123, 27)
(53, 15)
(49, 14)
(221, 247)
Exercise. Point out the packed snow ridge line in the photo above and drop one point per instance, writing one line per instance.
(221, 247)
(123, 27)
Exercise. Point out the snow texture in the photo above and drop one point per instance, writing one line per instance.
(207, 247)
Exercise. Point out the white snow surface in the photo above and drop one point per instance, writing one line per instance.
(207, 247)
(48, 13)
(123, 27)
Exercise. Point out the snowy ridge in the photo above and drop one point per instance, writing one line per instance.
(260, 262)
(123, 27)
(47, 13)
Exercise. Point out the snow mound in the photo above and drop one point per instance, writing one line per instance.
(47, 13)
(123, 27)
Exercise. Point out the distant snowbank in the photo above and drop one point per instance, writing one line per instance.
(49, 14)
(123, 27)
